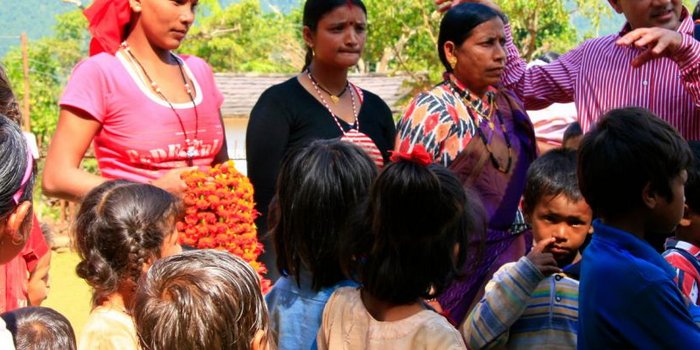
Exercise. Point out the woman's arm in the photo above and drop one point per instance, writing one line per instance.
(267, 138)
(62, 175)
(222, 156)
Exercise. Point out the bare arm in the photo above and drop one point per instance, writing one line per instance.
(62, 175)
(222, 156)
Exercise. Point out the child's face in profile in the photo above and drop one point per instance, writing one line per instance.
(567, 221)
(666, 214)
(171, 245)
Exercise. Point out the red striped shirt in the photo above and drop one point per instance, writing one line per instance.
(598, 76)
(687, 276)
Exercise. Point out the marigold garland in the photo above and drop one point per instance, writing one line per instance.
(220, 214)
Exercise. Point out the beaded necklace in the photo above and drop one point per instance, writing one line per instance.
(334, 98)
(473, 108)
(189, 143)
(355, 125)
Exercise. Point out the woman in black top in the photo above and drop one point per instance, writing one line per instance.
(319, 103)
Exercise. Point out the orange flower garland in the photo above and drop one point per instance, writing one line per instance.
(220, 214)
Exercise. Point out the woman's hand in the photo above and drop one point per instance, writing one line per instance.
(542, 258)
(172, 181)
(444, 5)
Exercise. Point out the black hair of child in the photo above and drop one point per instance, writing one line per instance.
(405, 243)
(552, 174)
(318, 187)
(39, 328)
(571, 131)
(692, 186)
(628, 149)
(120, 226)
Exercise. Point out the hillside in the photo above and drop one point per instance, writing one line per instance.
(37, 17)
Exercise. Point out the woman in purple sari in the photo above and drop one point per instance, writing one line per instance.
(483, 134)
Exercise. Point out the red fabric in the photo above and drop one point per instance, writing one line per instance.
(417, 155)
(15, 274)
(108, 21)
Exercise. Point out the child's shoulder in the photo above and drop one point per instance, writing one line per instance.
(437, 332)
(107, 326)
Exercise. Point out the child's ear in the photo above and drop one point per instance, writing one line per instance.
(14, 223)
(649, 196)
(685, 220)
(147, 265)
(260, 341)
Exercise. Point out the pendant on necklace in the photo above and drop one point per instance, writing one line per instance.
(191, 152)
(491, 126)
(335, 98)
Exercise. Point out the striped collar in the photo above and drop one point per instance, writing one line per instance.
(678, 244)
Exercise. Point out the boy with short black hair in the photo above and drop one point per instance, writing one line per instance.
(683, 250)
(631, 170)
(533, 303)
(39, 328)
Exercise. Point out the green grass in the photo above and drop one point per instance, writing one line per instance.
(69, 294)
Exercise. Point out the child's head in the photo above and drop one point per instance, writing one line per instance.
(631, 168)
(689, 228)
(317, 187)
(415, 233)
(39, 328)
(572, 136)
(16, 184)
(554, 206)
(201, 299)
(121, 228)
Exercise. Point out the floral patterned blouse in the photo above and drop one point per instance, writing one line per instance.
(439, 120)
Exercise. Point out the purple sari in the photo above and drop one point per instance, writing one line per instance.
(500, 195)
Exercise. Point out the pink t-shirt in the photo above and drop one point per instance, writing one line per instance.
(141, 137)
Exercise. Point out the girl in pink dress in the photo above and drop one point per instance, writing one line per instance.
(149, 113)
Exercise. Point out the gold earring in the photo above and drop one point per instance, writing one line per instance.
(452, 61)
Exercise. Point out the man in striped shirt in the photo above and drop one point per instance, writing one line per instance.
(654, 62)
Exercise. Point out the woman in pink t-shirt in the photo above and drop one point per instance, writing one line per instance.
(150, 113)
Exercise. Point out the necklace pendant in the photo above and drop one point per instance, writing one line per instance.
(491, 126)
(191, 152)
(335, 98)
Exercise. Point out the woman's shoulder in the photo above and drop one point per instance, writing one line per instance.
(371, 97)
(102, 62)
(193, 61)
(286, 90)
(439, 93)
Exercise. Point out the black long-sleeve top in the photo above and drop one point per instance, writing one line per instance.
(287, 116)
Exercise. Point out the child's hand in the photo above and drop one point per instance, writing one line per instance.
(542, 258)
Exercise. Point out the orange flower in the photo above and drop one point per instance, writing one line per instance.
(220, 214)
